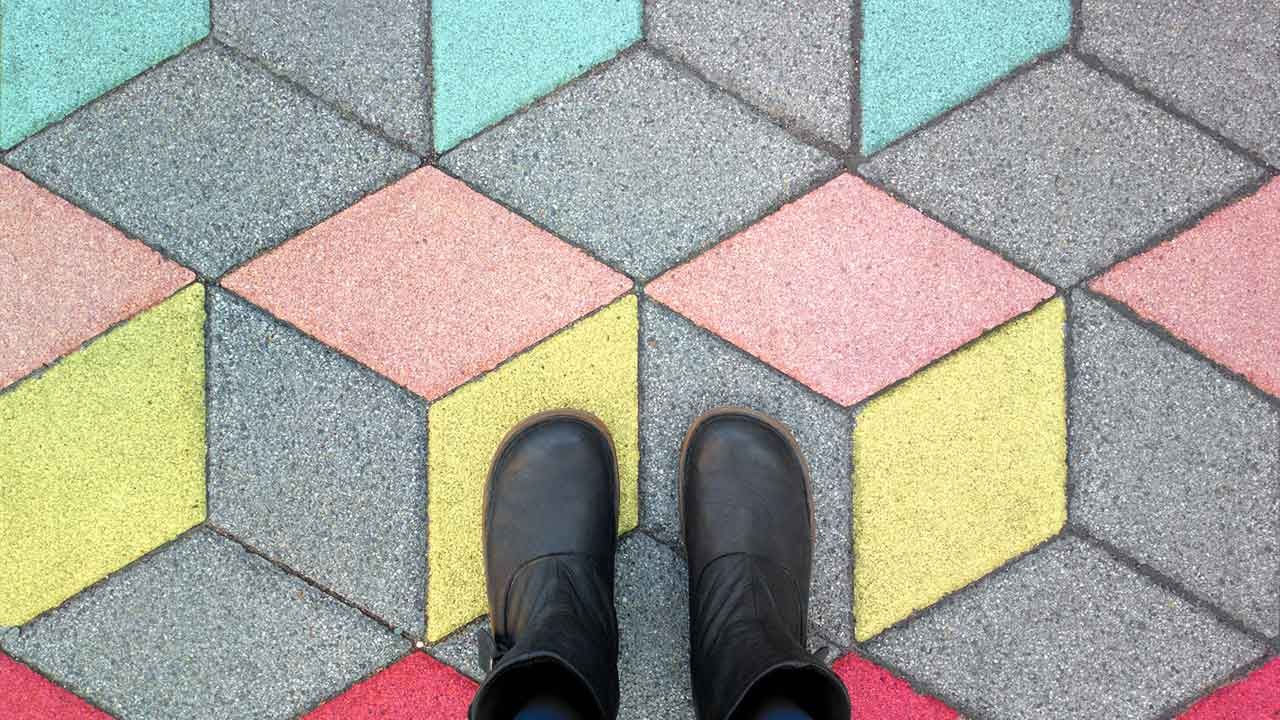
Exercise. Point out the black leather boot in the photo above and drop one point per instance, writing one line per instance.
(748, 527)
(550, 531)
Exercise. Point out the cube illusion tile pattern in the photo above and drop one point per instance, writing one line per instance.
(259, 495)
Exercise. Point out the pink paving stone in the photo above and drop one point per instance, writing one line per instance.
(415, 688)
(428, 282)
(875, 694)
(1216, 286)
(1257, 697)
(25, 695)
(848, 290)
(65, 277)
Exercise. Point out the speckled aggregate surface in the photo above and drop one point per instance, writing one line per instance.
(244, 291)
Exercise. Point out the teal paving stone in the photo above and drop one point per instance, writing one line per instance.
(210, 159)
(1217, 61)
(1175, 464)
(920, 58)
(1063, 170)
(641, 163)
(57, 56)
(317, 462)
(491, 57)
(204, 629)
(793, 59)
(686, 371)
(368, 56)
(1067, 632)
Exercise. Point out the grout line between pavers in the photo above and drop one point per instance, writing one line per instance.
(855, 85)
(1096, 63)
(206, 330)
(1176, 709)
(426, 527)
(428, 49)
(1169, 585)
(1069, 369)
(1077, 24)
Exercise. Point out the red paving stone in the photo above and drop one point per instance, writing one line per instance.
(25, 695)
(428, 282)
(847, 290)
(877, 695)
(1217, 286)
(1257, 697)
(65, 277)
(415, 688)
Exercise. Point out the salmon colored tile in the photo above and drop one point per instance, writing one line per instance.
(25, 695)
(1257, 697)
(417, 687)
(1216, 286)
(847, 290)
(875, 694)
(428, 282)
(65, 276)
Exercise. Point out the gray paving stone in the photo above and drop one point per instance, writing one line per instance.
(459, 649)
(317, 462)
(369, 56)
(210, 160)
(1062, 169)
(203, 629)
(1067, 632)
(640, 162)
(793, 59)
(1216, 61)
(1175, 464)
(685, 371)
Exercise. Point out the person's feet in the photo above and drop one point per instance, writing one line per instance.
(748, 529)
(551, 509)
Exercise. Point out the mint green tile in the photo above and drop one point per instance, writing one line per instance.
(490, 57)
(921, 58)
(56, 55)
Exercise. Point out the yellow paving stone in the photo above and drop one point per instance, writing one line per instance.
(590, 366)
(959, 469)
(102, 457)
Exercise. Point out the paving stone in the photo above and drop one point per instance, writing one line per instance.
(414, 688)
(67, 277)
(686, 371)
(1062, 170)
(1067, 632)
(848, 290)
(459, 649)
(203, 629)
(55, 57)
(25, 695)
(102, 457)
(590, 366)
(1217, 286)
(1256, 697)
(1213, 60)
(317, 462)
(428, 282)
(959, 469)
(924, 57)
(210, 160)
(640, 163)
(490, 57)
(876, 694)
(1175, 464)
(368, 56)
(793, 59)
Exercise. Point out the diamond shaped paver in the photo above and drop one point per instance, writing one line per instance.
(792, 59)
(687, 371)
(1175, 464)
(317, 462)
(210, 159)
(640, 162)
(1217, 286)
(847, 290)
(1067, 632)
(1063, 170)
(428, 282)
(414, 688)
(369, 56)
(1213, 60)
(204, 629)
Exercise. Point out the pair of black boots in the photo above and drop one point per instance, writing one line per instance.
(550, 516)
